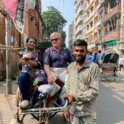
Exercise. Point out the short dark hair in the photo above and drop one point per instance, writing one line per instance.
(31, 37)
(80, 42)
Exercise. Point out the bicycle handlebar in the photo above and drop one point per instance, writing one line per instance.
(50, 110)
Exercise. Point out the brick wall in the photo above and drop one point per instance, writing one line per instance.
(31, 28)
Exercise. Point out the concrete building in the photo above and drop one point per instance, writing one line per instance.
(89, 21)
(32, 27)
(121, 41)
(83, 20)
(70, 37)
(107, 23)
(78, 15)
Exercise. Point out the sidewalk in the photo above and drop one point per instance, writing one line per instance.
(7, 103)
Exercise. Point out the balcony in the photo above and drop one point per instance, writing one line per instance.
(89, 5)
(121, 47)
(90, 17)
(102, 1)
(80, 18)
(98, 6)
(121, 42)
(79, 29)
(98, 23)
(115, 10)
(80, 9)
(90, 30)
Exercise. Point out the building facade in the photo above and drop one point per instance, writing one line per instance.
(100, 22)
(32, 27)
(70, 37)
(84, 20)
(107, 23)
(121, 41)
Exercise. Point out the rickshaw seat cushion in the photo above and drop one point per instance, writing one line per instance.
(46, 88)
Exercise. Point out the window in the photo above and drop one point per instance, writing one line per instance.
(91, 24)
(87, 27)
(101, 14)
(84, 19)
(91, 10)
(88, 1)
(100, 33)
(87, 14)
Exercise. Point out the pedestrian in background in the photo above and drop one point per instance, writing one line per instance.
(121, 63)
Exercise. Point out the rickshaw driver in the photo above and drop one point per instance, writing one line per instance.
(55, 60)
(82, 87)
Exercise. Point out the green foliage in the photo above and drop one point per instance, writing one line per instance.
(54, 22)
(63, 35)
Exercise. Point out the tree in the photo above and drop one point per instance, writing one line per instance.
(54, 22)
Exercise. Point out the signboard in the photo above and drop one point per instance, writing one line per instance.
(19, 19)
(30, 4)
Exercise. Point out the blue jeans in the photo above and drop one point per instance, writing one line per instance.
(24, 85)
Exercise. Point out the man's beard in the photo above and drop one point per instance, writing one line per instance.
(81, 59)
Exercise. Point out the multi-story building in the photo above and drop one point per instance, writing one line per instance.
(78, 15)
(83, 19)
(89, 21)
(107, 23)
(121, 42)
(32, 27)
(70, 37)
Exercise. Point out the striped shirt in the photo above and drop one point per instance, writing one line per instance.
(84, 85)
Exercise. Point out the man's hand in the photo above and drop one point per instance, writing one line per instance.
(67, 116)
(70, 98)
(50, 79)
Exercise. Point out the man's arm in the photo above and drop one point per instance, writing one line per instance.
(47, 70)
(46, 62)
(93, 91)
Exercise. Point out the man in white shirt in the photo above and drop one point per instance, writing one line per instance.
(121, 63)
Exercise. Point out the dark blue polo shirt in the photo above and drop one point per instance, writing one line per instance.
(59, 58)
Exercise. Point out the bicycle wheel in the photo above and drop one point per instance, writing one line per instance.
(117, 77)
(29, 119)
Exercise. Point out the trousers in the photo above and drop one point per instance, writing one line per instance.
(24, 85)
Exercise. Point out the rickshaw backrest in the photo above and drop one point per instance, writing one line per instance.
(41, 47)
(110, 56)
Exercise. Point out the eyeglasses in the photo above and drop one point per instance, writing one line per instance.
(56, 39)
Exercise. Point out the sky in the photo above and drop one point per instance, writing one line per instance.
(66, 7)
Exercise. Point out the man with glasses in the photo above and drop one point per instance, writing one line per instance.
(56, 60)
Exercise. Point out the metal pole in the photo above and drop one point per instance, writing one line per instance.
(8, 55)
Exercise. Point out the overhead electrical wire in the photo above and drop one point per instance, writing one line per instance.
(63, 8)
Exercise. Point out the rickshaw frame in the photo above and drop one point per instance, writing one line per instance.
(42, 115)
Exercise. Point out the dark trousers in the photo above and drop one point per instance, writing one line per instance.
(24, 85)
(121, 67)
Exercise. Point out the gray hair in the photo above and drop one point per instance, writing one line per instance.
(56, 33)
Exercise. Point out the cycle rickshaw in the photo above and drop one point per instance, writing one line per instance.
(109, 65)
(43, 114)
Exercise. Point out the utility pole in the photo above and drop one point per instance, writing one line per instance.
(8, 55)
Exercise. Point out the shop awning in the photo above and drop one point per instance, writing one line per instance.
(112, 42)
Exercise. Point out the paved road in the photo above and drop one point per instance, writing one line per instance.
(110, 102)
